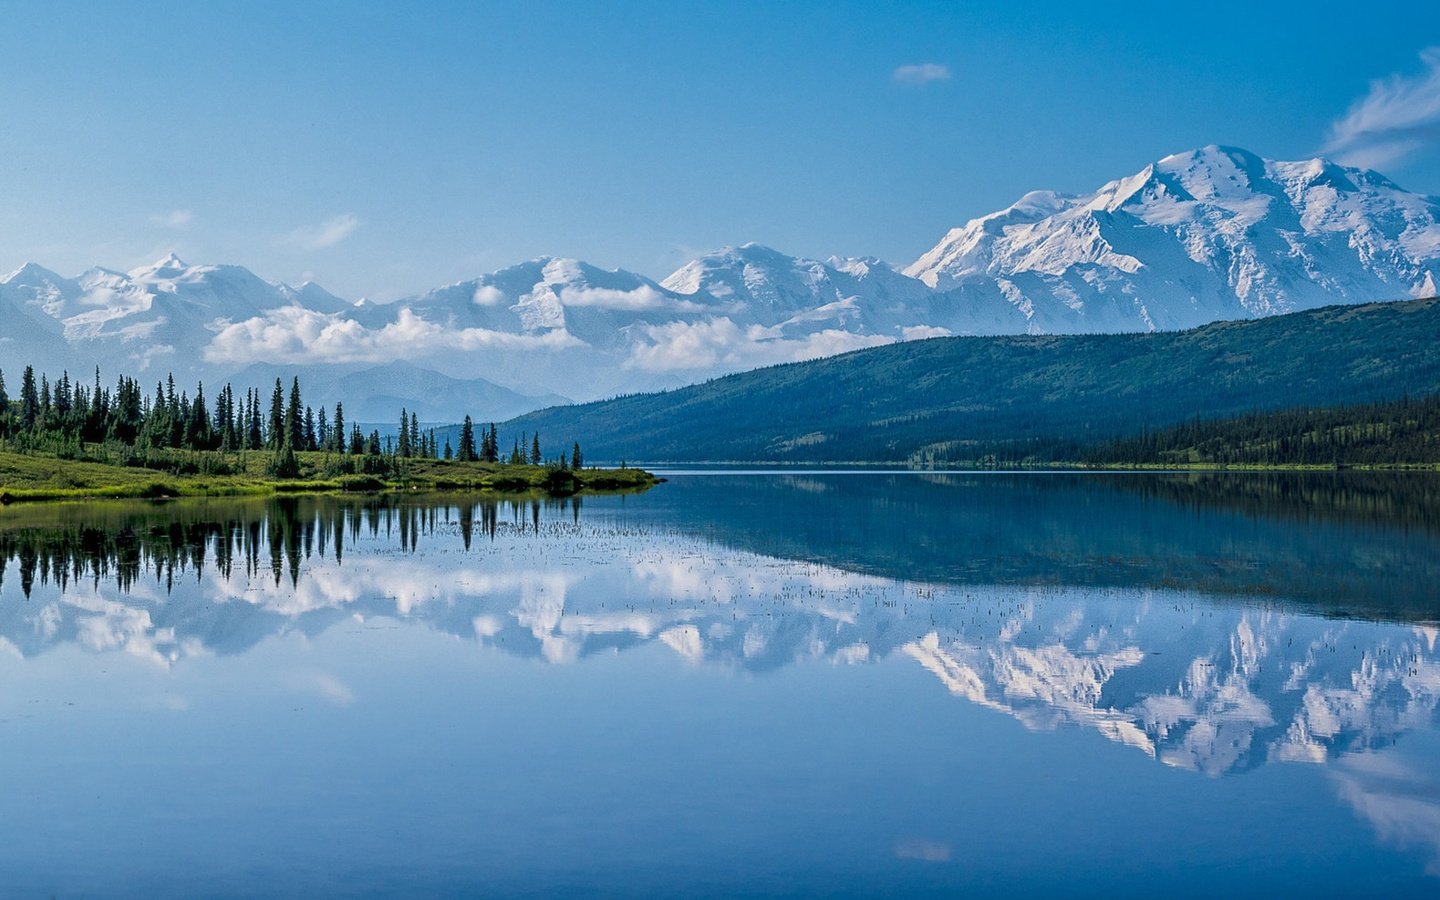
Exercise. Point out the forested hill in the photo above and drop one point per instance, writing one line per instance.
(1017, 397)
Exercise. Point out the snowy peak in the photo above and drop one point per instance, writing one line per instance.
(1217, 232)
(31, 274)
(168, 266)
(774, 289)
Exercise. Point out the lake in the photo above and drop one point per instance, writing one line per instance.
(765, 683)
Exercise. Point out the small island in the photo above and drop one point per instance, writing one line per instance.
(69, 441)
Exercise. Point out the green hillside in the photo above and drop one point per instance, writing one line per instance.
(1017, 397)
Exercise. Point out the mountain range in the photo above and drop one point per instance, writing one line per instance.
(1210, 234)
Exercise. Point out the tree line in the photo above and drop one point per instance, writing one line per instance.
(64, 416)
(1382, 433)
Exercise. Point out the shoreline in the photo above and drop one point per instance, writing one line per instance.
(28, 478)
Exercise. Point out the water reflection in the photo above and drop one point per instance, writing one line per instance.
(1214, 630)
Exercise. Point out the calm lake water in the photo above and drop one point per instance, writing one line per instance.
(794, 683)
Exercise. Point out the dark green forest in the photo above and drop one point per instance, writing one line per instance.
(1398, 432)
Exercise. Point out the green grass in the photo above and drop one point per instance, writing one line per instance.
(27, 477)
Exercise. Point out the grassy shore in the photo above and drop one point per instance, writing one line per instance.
(26, 478)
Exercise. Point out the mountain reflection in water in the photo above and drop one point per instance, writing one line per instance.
(1213, 623)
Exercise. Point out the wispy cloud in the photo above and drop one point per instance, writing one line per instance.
(327, 234)
(1400, 115)
(175, 218)
(922, 73)
(292, 335)
(681, 346)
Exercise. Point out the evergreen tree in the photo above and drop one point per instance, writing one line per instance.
(308, 430)
(62, 404)
(467, 441)
(43, 419)
(197, 424)
(339, 428)
(29, 401)
(404, 446)
(4, 408)
(285, 465)
(449, 453)
(535, 457)
(295, 417)
(576, 459)
(372, 446)
(275, 438)
(322, 430)
(255, 439)
(357, 442)
(128, 412)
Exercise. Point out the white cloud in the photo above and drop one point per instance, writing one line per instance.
(921, 332)
(327, 234)
(922, 73)
(175, 218)
(720, 343)
(1399, 116)
(642, 299)
(293, 334)
(488, 295)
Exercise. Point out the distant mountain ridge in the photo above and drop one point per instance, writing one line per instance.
(1210, 234)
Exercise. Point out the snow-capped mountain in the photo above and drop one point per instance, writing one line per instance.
(1215, 233)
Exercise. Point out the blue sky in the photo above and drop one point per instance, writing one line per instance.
(385, 149)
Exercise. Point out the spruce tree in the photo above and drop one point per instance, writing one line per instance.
(276, 437)
(467, 441)
(403, 449)
(339, 428)
(197, 425)
(576, 459)
(490, 445)
(29, 401)
(255, 439)
(44, 416)
(535, 457)
(295, 417)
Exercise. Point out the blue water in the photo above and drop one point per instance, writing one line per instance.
(781, 683)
